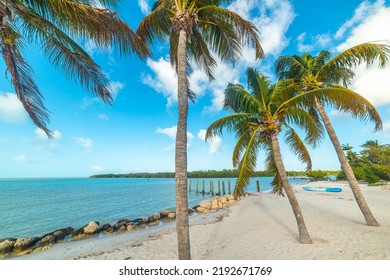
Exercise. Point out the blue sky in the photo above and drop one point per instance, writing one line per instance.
(137, 133)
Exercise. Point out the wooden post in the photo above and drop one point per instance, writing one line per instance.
(202, 187)
(258, 185)
(219, 188)
(197, 187)
(229, 187)
(189, 188)
(223, 188)
(212, 188)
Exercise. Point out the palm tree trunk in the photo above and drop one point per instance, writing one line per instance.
(182, 223)
(304, 236)
(346, 167)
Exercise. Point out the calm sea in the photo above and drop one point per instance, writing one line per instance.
(33, 207)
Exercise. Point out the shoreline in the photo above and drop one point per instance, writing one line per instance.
(261, 226)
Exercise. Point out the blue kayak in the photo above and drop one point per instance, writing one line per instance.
(322, 189)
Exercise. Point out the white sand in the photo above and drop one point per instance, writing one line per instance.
(262, 226)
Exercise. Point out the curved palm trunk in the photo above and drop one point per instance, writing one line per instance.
(304, 236)
(182, 223)
(346, 167)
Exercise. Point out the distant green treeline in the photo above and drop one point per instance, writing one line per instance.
(226, 173)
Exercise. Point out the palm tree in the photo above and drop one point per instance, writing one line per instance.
(194, 28)
(324, 72)
(260, 115)
(56, 25)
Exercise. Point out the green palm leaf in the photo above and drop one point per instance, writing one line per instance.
(298, 147)
(247, 164)
(25, 87)
(343, 99)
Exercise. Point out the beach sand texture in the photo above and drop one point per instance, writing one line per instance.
(261, 226)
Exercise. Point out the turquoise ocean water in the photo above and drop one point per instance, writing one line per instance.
(33, 207)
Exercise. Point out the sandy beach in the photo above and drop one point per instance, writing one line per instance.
(261, 226)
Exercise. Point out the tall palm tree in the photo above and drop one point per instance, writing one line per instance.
(259, 116)
(195, 28)
(56, 26)
(324, 72)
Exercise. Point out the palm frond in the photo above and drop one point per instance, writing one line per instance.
(298, 147)
(287, 67)
(67, 55)
(270, 166)
(199, 52)
(363, 53)
(247, 32)
(24, 85)
(220, 36)
(240, 146)
(304, 120)
(239, 100)
(247, 164)
(259, 86)
(157, 24)
(343, 99)
(229, 123)
(81, 19)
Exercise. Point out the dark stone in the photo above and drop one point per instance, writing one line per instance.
(25, 243)
(139, 221)
(48, 240)
(89, 229)
(6, 245)
(107, 228)
(121, 225)
(164, 214)
(124, 221)
(153, 218)
(60, 234)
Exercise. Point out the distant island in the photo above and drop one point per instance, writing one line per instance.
(226, 173)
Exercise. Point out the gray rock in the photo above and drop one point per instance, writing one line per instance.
(107, 228)
(6, 246)
(153, 218)
(202, 210)
(25, 243)
(164, 214)
(47, 240)
(172, 216)
(92, 228)
(206, 204)
(139, 221)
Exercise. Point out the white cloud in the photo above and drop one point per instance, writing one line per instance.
(320, 41)
(90, 47)
(41, 135)
(164, 79)
(116, 88)
(85, 143)
(371, 28)
(171, 133)
(215, 143)
(103, 117)
(11, 109)
(97, 168)
(20, 158)
(371, 82)
(271, 17)
(365, 10)
(273, 22)
(301, 46)
(144, 5)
